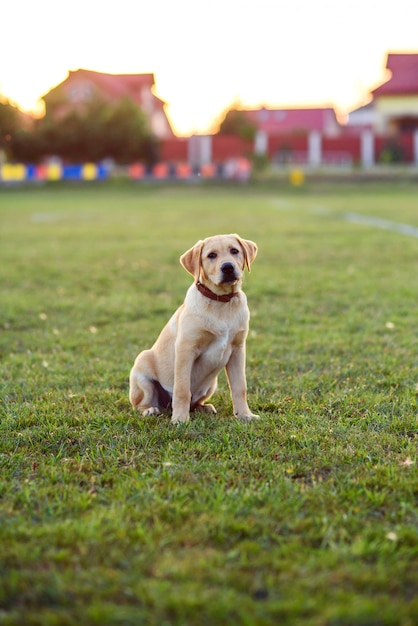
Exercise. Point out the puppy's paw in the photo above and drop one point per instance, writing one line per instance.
(179, 419)
(151, 410)
(249, 417)
(205, 408)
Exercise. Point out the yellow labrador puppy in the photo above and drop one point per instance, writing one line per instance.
(207, 333)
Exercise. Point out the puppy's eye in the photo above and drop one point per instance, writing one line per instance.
(234, 251)
(212, 255)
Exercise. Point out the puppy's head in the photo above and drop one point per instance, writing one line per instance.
(220, 260)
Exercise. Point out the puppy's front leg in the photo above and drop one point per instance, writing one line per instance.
(235, 370)
(182, 375)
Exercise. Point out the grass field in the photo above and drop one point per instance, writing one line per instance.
(308, 516)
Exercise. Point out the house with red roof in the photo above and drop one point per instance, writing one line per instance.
(290, 121)
(82, 85)
(396, 101)
(361, 119)
(394, 107)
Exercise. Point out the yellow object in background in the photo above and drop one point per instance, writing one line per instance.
(297, 178)
(54, 171)
(89, 171)
(13, 172)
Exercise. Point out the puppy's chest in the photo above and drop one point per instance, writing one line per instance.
(219, 347)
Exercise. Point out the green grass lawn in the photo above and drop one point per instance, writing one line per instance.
(308, 516)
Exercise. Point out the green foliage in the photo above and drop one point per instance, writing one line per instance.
(260, 163)
(117, 130)
(392, 152)
(9, 125)
(308, 516)
(236, 122)
(125, 131)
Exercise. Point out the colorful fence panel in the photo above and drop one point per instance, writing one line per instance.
(20, 173)
(208, 170)
(136, 171)
(183, 170)
(13, 172)
(160, 171)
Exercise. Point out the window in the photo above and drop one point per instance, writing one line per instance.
(79, 92)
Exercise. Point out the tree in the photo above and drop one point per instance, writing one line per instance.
(125, 132)
(9, 126)
(117, 130)
(236, 122)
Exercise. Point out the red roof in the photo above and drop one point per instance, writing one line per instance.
(114, 86)
(118, 84)
(404, 79)
(290, 120)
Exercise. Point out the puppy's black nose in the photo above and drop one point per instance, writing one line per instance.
(228, 269)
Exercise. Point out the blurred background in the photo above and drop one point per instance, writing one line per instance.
(190, 89)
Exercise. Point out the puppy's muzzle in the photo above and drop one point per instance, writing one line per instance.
(228, 273)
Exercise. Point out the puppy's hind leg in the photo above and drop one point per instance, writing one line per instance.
(142, 393)
(200, 405)
(204, 408)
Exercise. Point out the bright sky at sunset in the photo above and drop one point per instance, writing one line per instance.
(208, 55)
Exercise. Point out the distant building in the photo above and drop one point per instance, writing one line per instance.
(362, 118)
(394, 107)
(289, 121)
(396, 101)
(81, 86)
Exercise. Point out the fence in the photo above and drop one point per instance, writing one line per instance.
(232, 169)
(220, 156)
(19, 172)
(312, 149)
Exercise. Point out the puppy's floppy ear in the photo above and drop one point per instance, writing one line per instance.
(250, 250)
(191, 260)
